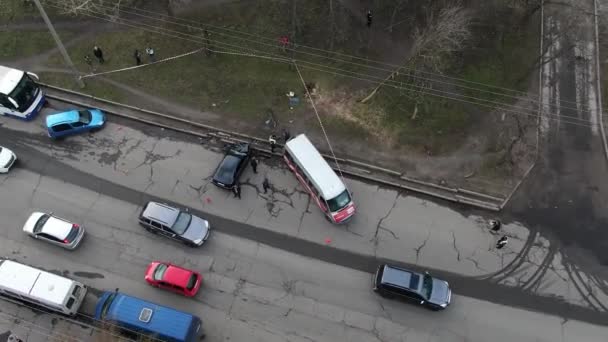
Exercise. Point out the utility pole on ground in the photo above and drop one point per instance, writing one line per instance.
(60, 46)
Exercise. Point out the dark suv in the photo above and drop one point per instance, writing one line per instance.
(160, 218)
(391, 281)
(228, 172)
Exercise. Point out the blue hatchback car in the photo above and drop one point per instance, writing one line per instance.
(74, 122)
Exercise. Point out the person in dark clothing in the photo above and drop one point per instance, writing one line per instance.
(502, 242)
(237, 191)
(265, 185)
(495, 225)
(286, 135)
(272, 140)
(254, 164)
(137, 56)
(369, 18)
(98, 54)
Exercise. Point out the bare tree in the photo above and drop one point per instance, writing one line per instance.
(110, 8)
(445, 32)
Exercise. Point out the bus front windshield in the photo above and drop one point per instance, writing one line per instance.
(24, 93)
(339, 202)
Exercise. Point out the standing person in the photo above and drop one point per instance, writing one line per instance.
(150, 52)
(254, 164)
(272, 140)
(502, 242)
(286, 135)
(265, 185)
(237, 190)
(137, 56)
(98, 54)
(369, 18)
(495, 225)
(89, 61)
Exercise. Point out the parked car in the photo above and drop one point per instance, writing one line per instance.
(53, 229)
(230, 168)
(170, 277)
(7, 159)
(392, 281)
(73, 122)
(160, 218)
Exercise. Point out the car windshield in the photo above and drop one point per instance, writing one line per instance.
(40, 223)
(427, 286)
(160, 271)
(182, 223)
(191, 282)
(24, 93)
(339, 202)
(73, 233)
(106, 305)
(84, 116)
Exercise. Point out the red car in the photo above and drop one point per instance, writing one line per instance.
(173, 278)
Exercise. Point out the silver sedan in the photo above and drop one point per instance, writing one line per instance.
(54, 230)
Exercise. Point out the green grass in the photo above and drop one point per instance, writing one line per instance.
(24, 44)
(246, 87)
(93, 86)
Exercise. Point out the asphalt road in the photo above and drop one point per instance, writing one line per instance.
(251, 291)
(50, 166)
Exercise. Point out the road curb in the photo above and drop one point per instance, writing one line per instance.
(353, 168)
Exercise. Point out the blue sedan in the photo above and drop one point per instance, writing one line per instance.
(73, 122)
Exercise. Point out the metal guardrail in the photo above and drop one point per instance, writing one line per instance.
(352, 168)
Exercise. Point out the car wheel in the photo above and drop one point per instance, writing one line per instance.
(153, 231)
(191, 245)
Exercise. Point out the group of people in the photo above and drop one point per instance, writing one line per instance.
(272, 140)
(98, 53)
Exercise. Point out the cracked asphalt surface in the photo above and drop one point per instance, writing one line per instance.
(451, 242)
(251, 292)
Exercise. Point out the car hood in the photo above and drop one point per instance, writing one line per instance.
(197, 229)
(97, 117)
(5, 156)
(441, 294)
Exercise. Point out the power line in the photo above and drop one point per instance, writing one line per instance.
(569, 119)
(341, 60)
(319, 118)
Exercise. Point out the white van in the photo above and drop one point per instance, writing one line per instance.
(20, 96)
(31, 285)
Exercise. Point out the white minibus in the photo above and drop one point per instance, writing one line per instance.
(20, 96)
(319, 179)
(31, 285)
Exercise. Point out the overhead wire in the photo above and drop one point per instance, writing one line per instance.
(299, 50)
(568, 119)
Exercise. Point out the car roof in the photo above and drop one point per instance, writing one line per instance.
(170, 322)
(400, 277)
(177, 275)
(161, 212)
(315, 166)
(57, 227)
(64, 117)
(9, 78)
(227, 169)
